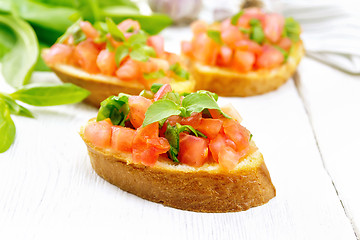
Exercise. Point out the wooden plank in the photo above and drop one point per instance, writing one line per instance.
(49, 191)
(333, 101)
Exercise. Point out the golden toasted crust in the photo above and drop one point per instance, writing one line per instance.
(101, 86)
(205, 189)
(231, 83)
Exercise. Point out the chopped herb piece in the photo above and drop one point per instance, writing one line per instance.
(116, 108)
(257, 33)
(179, 71)
(235, 18)
(154, 75)
(120, 53)
(215, 35)
(292, 29)
(155, 87)
(114, 30)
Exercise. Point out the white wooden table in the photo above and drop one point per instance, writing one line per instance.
(308, 131)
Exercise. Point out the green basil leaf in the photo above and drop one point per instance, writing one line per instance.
(210, 94)
(21, 50)
(179, 71)
(7, 128)
(292, 29)
(147, 94)
(15, 108)
(257, 33)
(116, 108)
(74, 30)
(154, 75)
(235, 18)
(190, 129)
(114, 30)
(142, 53)
(172, 135)
(50, 94)
(197, 102)
(244, 30)
(215, 35)
(120, 53)
(172, 96)
(155, 87)
(139, 38)
(250, 137)
(159, 110)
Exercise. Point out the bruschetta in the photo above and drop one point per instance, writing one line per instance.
(251, 53)
(181, 150)
(107, 59)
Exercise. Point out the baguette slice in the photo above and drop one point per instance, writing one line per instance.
(208, 188)
(101, 86)
(226, 82)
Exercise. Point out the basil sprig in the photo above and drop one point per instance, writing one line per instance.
(292, 29)
(36, 95)
(116, 108)
(215, 35)
(193, 102)
(256, 31)
(235, 18)
(172, 135)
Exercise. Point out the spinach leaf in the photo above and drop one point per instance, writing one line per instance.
(155, 75)
(179, 71)
(159, 110)
(50, 94)
(19, 60)
(116, 108)
(7, 127)
(155, 87)
(257, 33)
(14, 107)
(215, 35)
(120, 53)
(235, 18)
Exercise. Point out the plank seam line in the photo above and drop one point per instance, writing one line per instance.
(296, 79)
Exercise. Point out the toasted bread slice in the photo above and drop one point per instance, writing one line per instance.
(101, 86)
(226, 82)
(208, 188)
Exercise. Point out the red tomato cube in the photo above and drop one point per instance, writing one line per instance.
(193, 150)
(99, 133)
(138, 106)
(121, 139)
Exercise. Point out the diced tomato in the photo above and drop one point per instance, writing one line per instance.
(194, 120)
(162, 91)
(273, 26)
(128, 71)
(285, 43)
(58, 53)
(157, 42)
(171, 58)
(270, 58)
(248, 15)
(106, 62)
(243, 61)
(248, 45)
(89, 30)
(198, 27)
(228, 158)
(225, 56)
(186, 48)
(232, 112)
(225, 24)
(121, 139)
(231, 35)
(205, 49)
(215, 113)
(129, 25)
(193, 150)
(86, 54)
(161, 144)
(216, 145)
(138, 106)
(238, 134)
(210, 127)
(113, 42)
(99, 133)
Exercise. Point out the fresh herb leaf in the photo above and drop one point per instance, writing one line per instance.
(172, 135)
(235, 18)
(155, 87)
(137, 39)
(116, 108)
(250, 137)
(120, 53)
(172, 96)
(257, 33)
(159, 110)
(179, 71)
(146, 94)
(75, 31)
(114, 30)
(154, 75)
(7, 127)
(244, 30)
(50, 94)
(292, 29)
(21, 50)
(142, 53)
(215, 35)
(211, 94)
(15, 108)
(190, 129)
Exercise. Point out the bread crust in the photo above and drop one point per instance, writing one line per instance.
(226, 82)
(204, 189)
(101, 86)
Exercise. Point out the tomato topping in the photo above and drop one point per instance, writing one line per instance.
(210, 127)
(231, 112)
(216, 145)
(193, 150)
(243, 61)
(273, 26)
(250, 46)
(228, 158)
(238, 134)
(89, 30)
(171, 58)
(106, 62)
(205, 49)
(285, 43)
(86, 54)
(128, 71)
(215, 113)
(58, 53)
(194, 120)
(138, 106)
(129, 25)
(225, 56)
(99, 133)
(186, 48)
(157, 42)
(121, 139)
(162, 91)
(198, 27)
(231, 35)
(270, 58)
